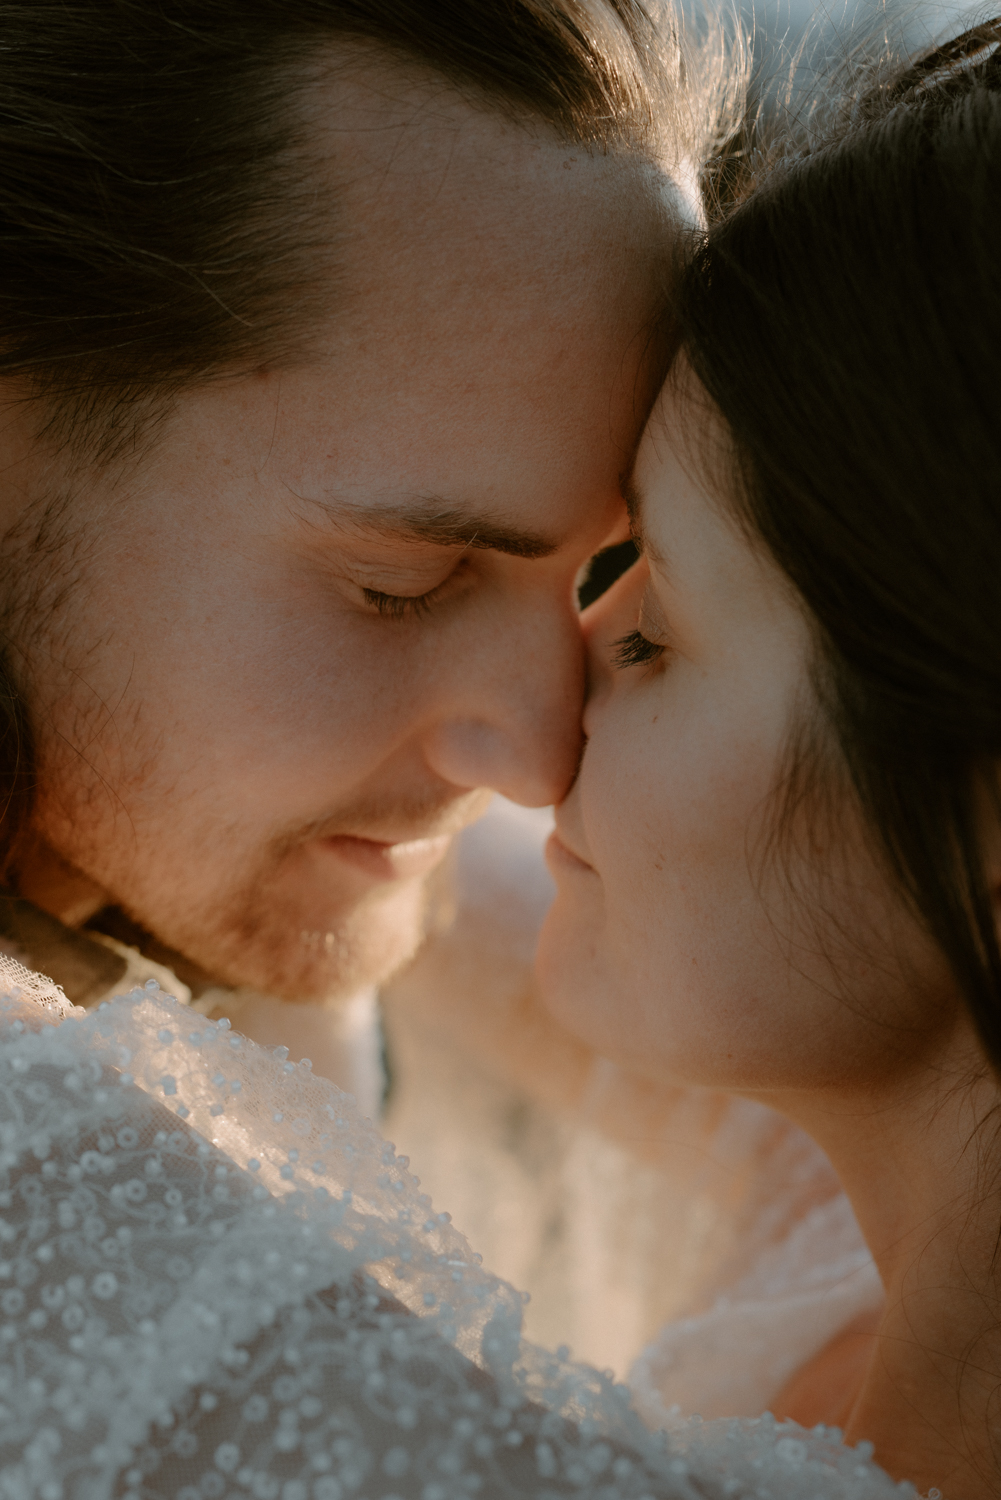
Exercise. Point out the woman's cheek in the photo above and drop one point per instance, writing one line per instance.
(575, 982)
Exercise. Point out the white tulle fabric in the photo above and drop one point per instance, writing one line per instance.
(739, 1352)
(217, 1280)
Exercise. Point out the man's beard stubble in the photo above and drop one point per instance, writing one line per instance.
(256, 943)
(257, 938)
(101, 795)
(255, 935)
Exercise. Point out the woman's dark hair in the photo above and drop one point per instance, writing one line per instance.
(844, 316)
(159, 217)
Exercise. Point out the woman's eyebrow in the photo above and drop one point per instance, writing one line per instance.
(634, 509)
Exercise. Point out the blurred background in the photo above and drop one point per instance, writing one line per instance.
(829, 31)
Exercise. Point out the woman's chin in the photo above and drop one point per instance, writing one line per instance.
(592, 992)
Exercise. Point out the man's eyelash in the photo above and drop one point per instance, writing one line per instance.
(401, 606)
(634, 650)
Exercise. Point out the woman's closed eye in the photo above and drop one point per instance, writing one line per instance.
(634, 650)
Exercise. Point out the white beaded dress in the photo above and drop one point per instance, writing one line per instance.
(217, 1280)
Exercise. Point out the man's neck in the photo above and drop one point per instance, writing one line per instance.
(45, 879)
(46, 885)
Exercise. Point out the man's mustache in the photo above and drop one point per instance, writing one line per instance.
(392, 820)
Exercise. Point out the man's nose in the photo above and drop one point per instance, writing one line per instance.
(515, 725)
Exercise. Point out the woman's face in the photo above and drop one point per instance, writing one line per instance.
(688, 937)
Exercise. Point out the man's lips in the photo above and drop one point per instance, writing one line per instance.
(561, 858)
(389, 861)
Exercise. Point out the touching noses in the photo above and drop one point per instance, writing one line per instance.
(514, 725)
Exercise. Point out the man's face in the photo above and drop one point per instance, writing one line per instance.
(335, 604)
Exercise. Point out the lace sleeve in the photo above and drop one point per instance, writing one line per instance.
(218, 1281)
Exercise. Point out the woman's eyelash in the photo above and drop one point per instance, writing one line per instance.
(634, 650)
(401, 606)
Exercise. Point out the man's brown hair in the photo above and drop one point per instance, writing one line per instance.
(159, 217)
(158, 211)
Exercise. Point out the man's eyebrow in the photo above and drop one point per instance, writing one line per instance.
(442, 526)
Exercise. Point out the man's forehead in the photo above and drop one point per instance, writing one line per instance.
(421, 170)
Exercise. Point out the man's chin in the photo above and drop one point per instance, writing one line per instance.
(295, 955)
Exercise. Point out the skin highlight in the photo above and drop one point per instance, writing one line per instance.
(802, 980)
(285, 656)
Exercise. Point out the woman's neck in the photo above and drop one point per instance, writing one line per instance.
(918, 1163)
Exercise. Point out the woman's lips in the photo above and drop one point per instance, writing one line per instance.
(559, 857)
(388, 861)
